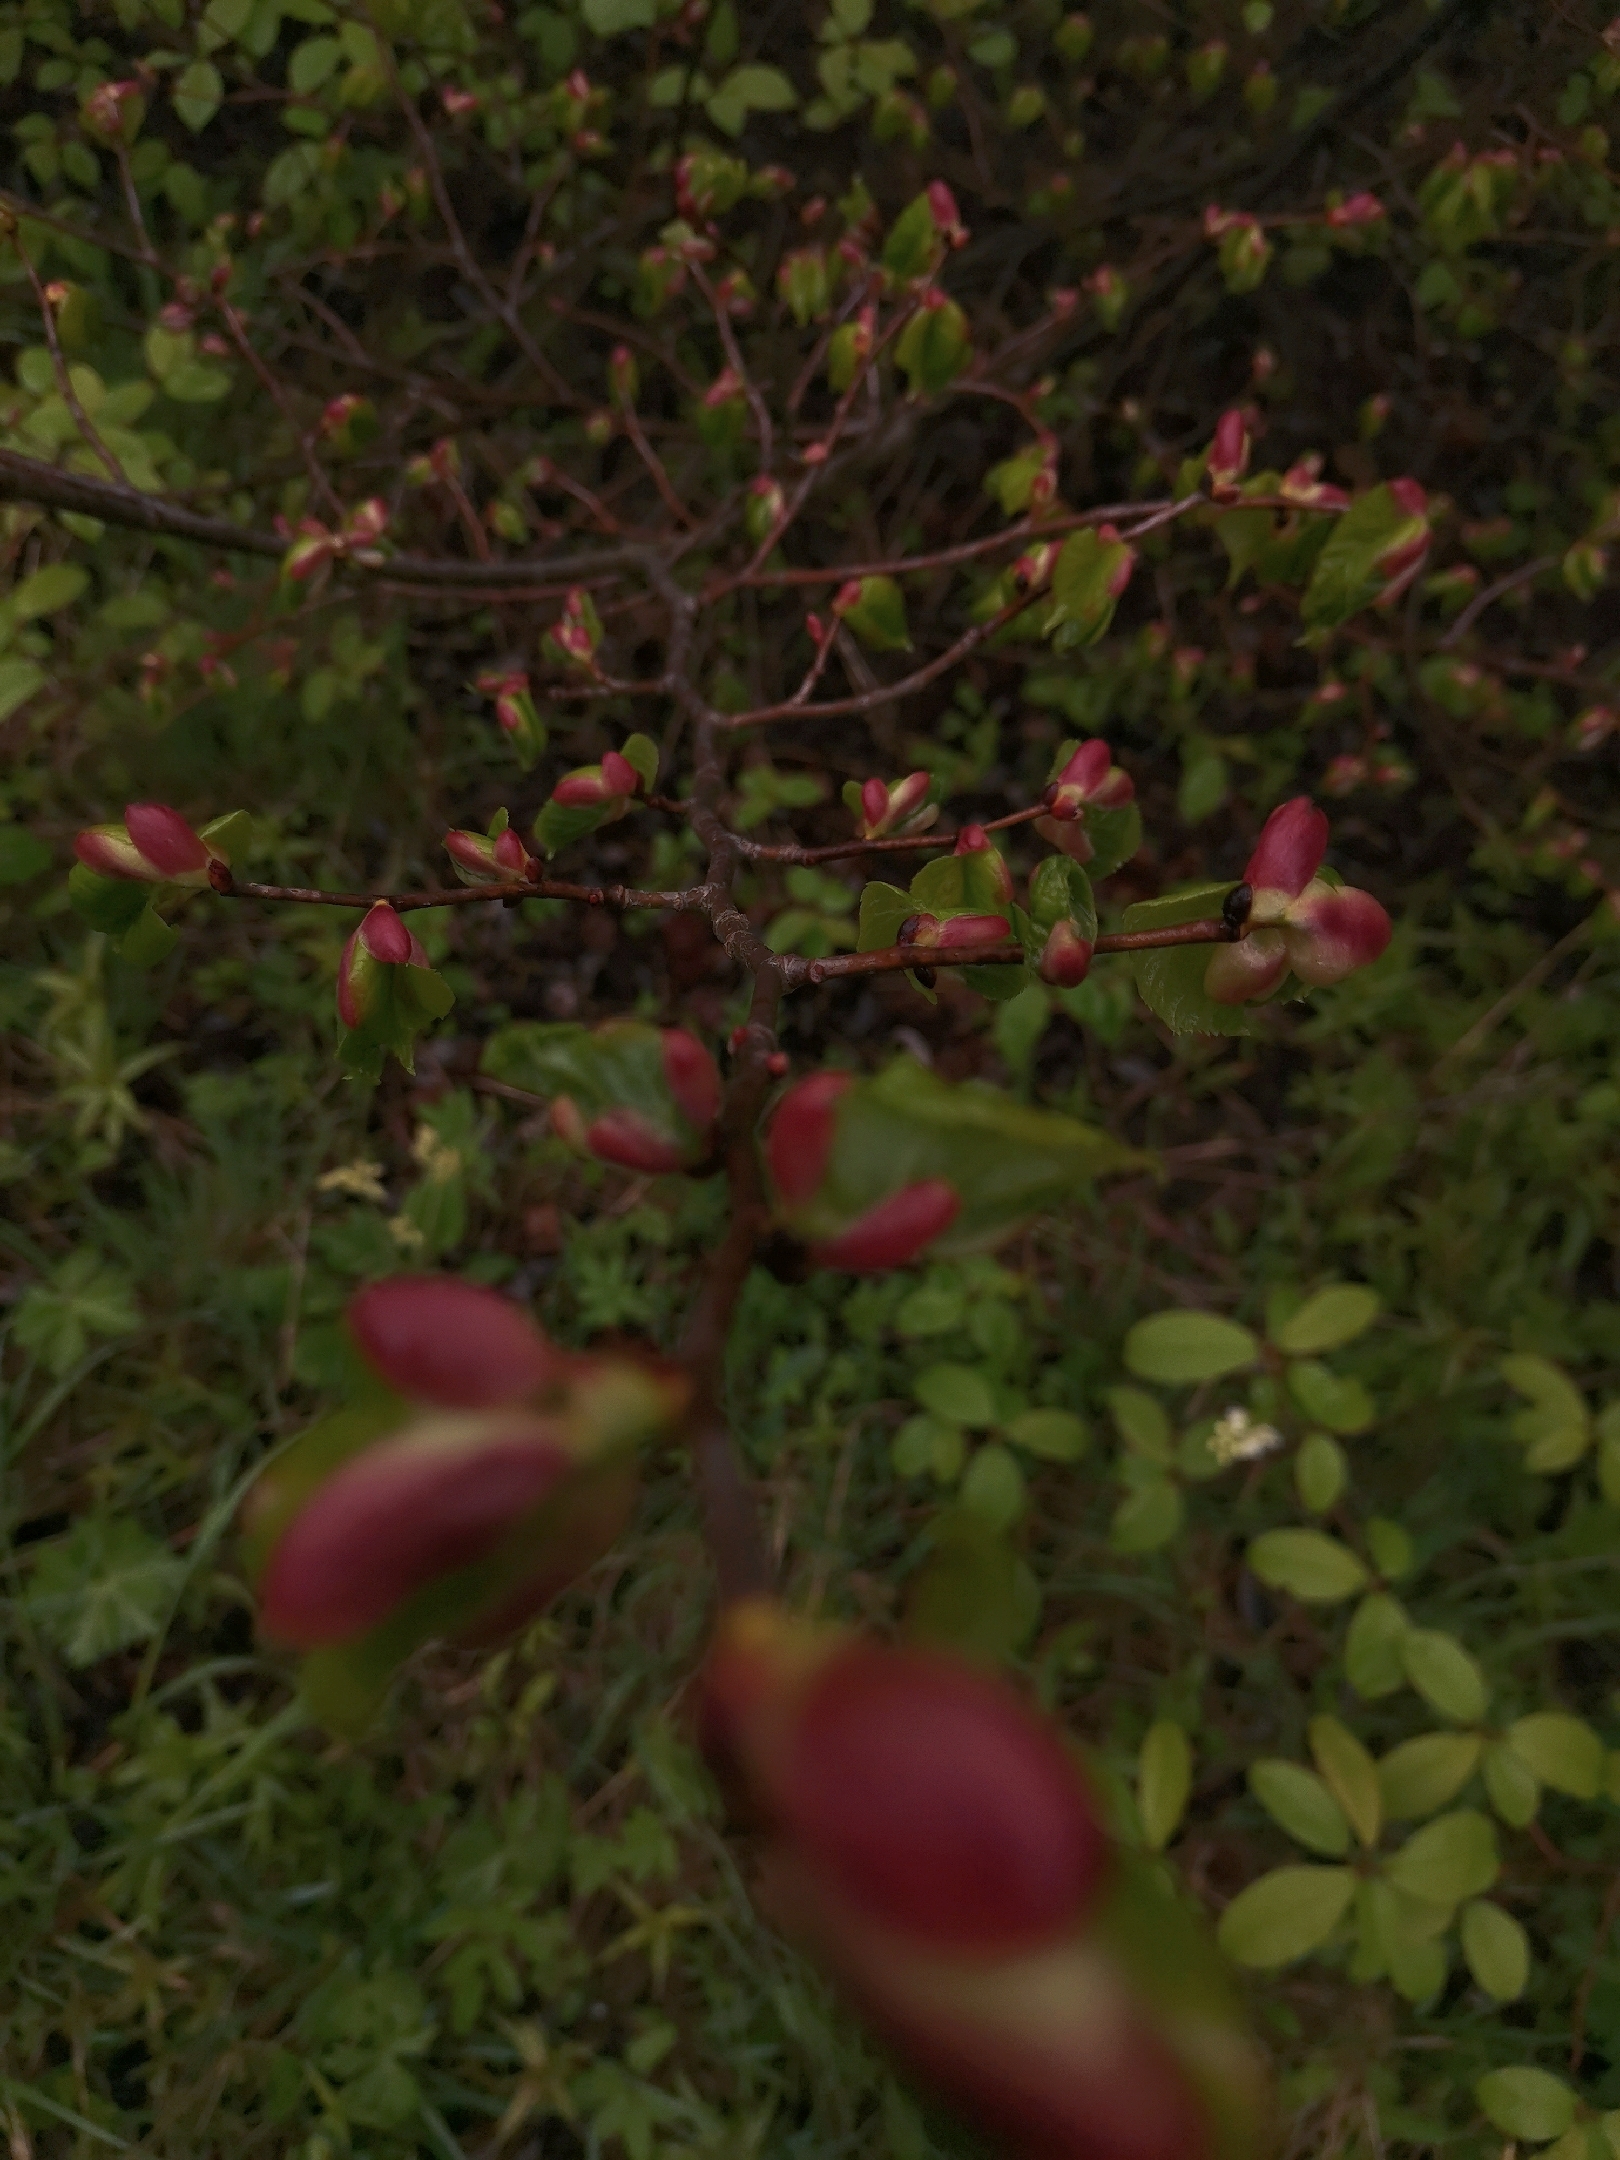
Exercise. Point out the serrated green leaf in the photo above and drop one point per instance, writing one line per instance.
(1170, 978)
(103, 1588)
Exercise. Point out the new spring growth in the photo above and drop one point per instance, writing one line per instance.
(798, 1153)
(154, 844)
(641, 1097)
(497, 857)
(589, 787)
(1088, 779)
(935, 1844)
(477, 1470)
(515, 712)
(1297, 920)
(1405, 552)
(573, 638)
(1229, 455)
(762, 508)
(947, 218)
(892, 806)
(381, 942)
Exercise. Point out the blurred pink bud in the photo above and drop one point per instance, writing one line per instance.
(1332, 931)
(456, 103)
(619, 774)
(382, 941)
(947, 218)
(1297, 920)
(1065, 957)
(368, 521)
(1359, 209)
(819, 631)
(567, 1123)
(479, 860)
(1300, 485)
(799, 1143)
(896, 805)
(154, 846)
(970, 839)
(1089, 777)
(1229, 455)
(435, 1339)
(399, 1516)
(624, 1137)
(950, 932)
(894, 1232)
(693, 1079)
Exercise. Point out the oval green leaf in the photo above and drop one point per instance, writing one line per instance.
(1285, 1915)
(1526, 2103)
(1308, 1564)
(1329, 1320)
(1184, 1347)
(1300, 1803)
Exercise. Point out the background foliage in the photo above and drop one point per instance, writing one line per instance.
(512, 1923)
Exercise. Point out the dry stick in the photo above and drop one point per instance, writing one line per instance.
(653, 462)
(994, 952)
(304, 437)
(734, 360)
(28, 479)
(690, 897)
(837, 850)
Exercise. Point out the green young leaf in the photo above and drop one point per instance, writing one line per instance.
(103, 1588)
(1351, 1775)
(408, 998)
(1391, 1547)
(83, 1299)
(1163, 1782)
(883, 909)
(611, 18)
(1526, 2103)
(1347, 575)
(928, 1444)
(1421, 1775)
(1561, 1751)
(1285, 1915)
(1149, 1517)
(110, 905)
(959, 1393)
(993, 1487)
(1321, 1473)
(878, 615)
(1308, 1564)
(1342, 1405)
(1452, 1858)
(1511, 1785)
(749, 89)
(1053, 1435)
(913, 247)
(1328, 1320)
(1141, 1423)
(58, 585)
(148, 939)
(1184, 1347)
(1445, 1675)
(1170, 978)
(1557, 1428)
(1300, 1801)
(23, 855)
(934, 348)
(1497, 1950)
(19, 679)
(1374, 1662)
(198, 93)
(1086, 581)
(974, 1594)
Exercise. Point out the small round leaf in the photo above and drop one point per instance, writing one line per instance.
(1184, 1347)
(1285, 1915)
(1307, 1563)
(1526, 2103)
(1497, 1950)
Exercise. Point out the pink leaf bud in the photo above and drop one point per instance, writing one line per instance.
(1252, 968)
(154, 845)
(1302, 486)
(762, 511)
(1332, 931)
(623, 375)
(1360, 209)
(895, 1231)
(1089, 777)
(1289, 853)
(874, 808)
(970, 839)
(479, 859)
(799, 1143)
(619, 775)
(401, 1515)
(1229, 455)
(568, 1124)
(896, 805)
(435, 1339)
(367, 523)
(381, 941)
(1066, 956)
(947, 218)
(586, 789)
(954, 931)
(693, 1079)
(458, 103)
(624, 1137)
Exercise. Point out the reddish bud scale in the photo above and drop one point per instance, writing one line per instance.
(894, 1232)
(397, 1518)
(626, 1139)
(436, 1340)
(937, 1804)
(1289, 853)
(153, 846)
(693, 1079)
(800, 1140)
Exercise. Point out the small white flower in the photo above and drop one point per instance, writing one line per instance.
(1240, 1437)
